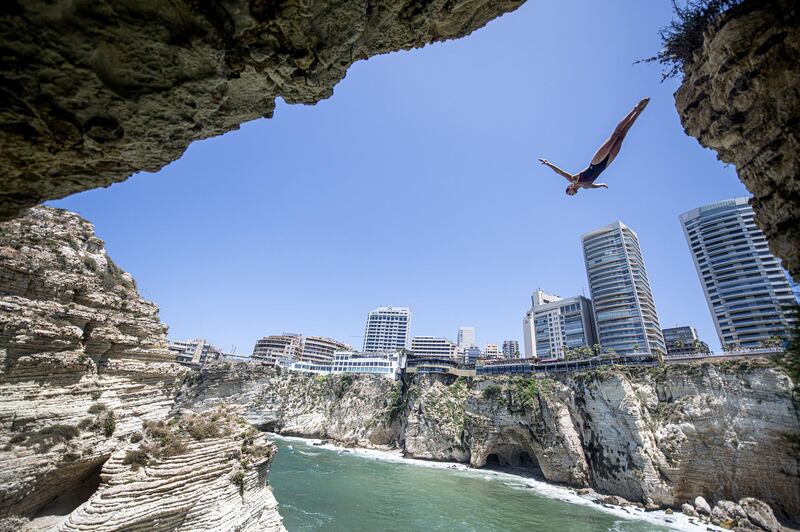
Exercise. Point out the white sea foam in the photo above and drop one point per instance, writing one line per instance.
(676, 521)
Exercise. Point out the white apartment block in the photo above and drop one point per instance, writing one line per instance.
(388, 329)
(553, 325)
(320, 350)
(466, 337)
(270, 349)
(433, 347)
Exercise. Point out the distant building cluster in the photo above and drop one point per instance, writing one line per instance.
(748, 293)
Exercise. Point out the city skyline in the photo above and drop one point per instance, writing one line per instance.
(294, 234)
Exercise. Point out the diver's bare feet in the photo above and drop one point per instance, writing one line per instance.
(544, 161)
(643, 103)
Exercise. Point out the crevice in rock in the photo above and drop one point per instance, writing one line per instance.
(71, 492)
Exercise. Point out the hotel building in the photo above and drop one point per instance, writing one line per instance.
(388, 329)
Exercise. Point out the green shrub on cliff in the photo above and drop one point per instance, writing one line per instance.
(45, 438)
(683, 36)
(491, 392)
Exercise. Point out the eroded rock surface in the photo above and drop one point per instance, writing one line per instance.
(661, 436)
(91, 92)
(84, 366)
(741, 97)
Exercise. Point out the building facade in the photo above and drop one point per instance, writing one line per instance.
(320, 350)
(386, 365)
(466, 337)
(270, 349)
(746, 288)
(195, 353)
(388, 329)
(554, 326)
(682, 341)
(471, 354)
(625, 312)
(510, 349)
(492, 352)
(433, 347)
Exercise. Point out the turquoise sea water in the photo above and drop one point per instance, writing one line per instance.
(342, 490)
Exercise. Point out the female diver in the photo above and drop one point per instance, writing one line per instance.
(603, 157)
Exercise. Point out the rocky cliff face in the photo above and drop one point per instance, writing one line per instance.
(91, 92)
(83, 368)
(661, 436)
(741, 97)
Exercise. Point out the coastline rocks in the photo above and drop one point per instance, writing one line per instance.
(702, 506)
(760, 514)
(214, 478)
(659, 436)
(688, 509)
(84, 369)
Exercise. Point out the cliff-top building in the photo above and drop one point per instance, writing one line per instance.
(466, 337)
(194, 353)
(553, 326)
(746, 288)
(433, 347)
(682, 341)
(388, 329)
(510, 349)
(270, 349)
(320, 350)
(625, 312)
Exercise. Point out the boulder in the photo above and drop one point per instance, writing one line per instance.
(688, 509)
(702, 506)
(760, 514)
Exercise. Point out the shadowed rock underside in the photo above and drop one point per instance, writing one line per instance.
(91, 92)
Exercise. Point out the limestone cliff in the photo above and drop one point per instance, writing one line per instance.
(83, 368)
(661, 436)
(92, 92)
(741, 97)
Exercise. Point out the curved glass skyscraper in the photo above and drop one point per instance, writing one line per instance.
(625, 312)
(747, 290)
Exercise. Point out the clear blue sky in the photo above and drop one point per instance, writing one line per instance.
(417, 185)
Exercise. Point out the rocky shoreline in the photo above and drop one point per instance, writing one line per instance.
(660, 437)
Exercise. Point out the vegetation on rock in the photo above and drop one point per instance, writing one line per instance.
(684, 34)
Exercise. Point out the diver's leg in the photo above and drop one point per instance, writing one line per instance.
(610, 148)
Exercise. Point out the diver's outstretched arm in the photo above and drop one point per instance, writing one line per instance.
(569, 177)
(598, 185)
